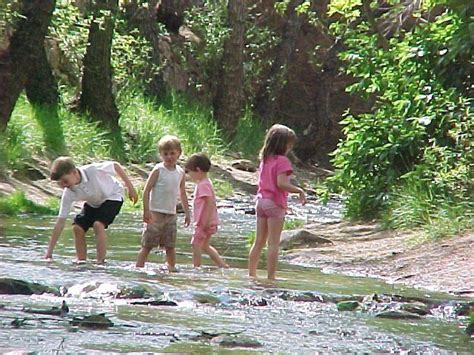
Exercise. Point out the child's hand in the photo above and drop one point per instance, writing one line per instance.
(147, 217)
(302, 197)
(187, 219)
(132, 194)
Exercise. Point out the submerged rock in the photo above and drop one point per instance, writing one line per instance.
(155, 303)
(347, 306)
(417, 308)
(208, 298)
(397, 315)
(19, 287)
(94, 321)
(53, 311)
(240, 341)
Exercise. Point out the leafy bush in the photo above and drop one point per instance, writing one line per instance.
(410, 157)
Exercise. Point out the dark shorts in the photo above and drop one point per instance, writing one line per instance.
(105, 214)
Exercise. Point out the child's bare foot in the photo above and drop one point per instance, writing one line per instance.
(79, 262)
(101, 262)
(172, 269)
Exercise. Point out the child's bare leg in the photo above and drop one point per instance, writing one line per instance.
(142, 256)
(101, 241)
(197, 252)
(256, 250)
(275, 226)
(171, 258)
(214, 255)
(80, 242)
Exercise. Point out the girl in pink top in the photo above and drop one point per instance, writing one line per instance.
(273, 188)
(204, 210)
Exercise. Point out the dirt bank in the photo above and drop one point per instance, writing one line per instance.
(397, 257)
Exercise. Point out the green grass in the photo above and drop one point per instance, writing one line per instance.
(436, 216)
(249, 137)
(144, 122)
(17, 203)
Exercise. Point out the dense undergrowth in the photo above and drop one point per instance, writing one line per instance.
(409, 161)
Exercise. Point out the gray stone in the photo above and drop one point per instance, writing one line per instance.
(245, 165)
(239, 341)
(301, 238)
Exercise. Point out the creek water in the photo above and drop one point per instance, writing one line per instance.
(209, 300)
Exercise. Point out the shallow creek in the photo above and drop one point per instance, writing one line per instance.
(209, 301)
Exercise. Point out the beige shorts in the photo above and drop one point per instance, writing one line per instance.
(161, 232)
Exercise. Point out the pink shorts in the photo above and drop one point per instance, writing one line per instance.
(200, 236)
(266, 208)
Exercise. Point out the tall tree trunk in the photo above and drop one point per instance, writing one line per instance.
(267, 98)
(97, 97)
(229, 100)
(18, 60)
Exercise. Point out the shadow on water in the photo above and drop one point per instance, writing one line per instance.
(209, 301)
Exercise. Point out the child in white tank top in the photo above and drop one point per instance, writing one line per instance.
(166, 181)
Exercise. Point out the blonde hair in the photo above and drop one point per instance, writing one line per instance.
(61, 166)
(169, 142)
(277, 140)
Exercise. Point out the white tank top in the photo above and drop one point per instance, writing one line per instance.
(164, 194)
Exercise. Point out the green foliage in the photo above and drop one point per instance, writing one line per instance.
(144, 122)
(249, 137)
(411, 156)
(131, 57)
(208, 23)
(17, 203)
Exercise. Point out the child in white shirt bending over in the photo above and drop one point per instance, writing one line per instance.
(165, 182)
(103, 195)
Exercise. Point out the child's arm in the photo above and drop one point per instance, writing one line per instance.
(184, 201)
(207, 212)
(132, 194)
(57, 230)
(284, 184)
(150, 182)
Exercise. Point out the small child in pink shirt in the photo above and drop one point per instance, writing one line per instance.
(273, 188)
(205, 214)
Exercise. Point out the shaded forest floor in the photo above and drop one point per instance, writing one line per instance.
(357, 249)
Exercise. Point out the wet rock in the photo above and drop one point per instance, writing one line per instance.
(53, 311)
(347, 306)
(245, 165)
(301, 238)
(239, 341)
(300, 296)
(155, 303)
(19, 287)
(255, 302)
(206, 298)
(464, 309)
(417, 308)
(397, 314)
(133, 292)
(94, 321)
(17, 322)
